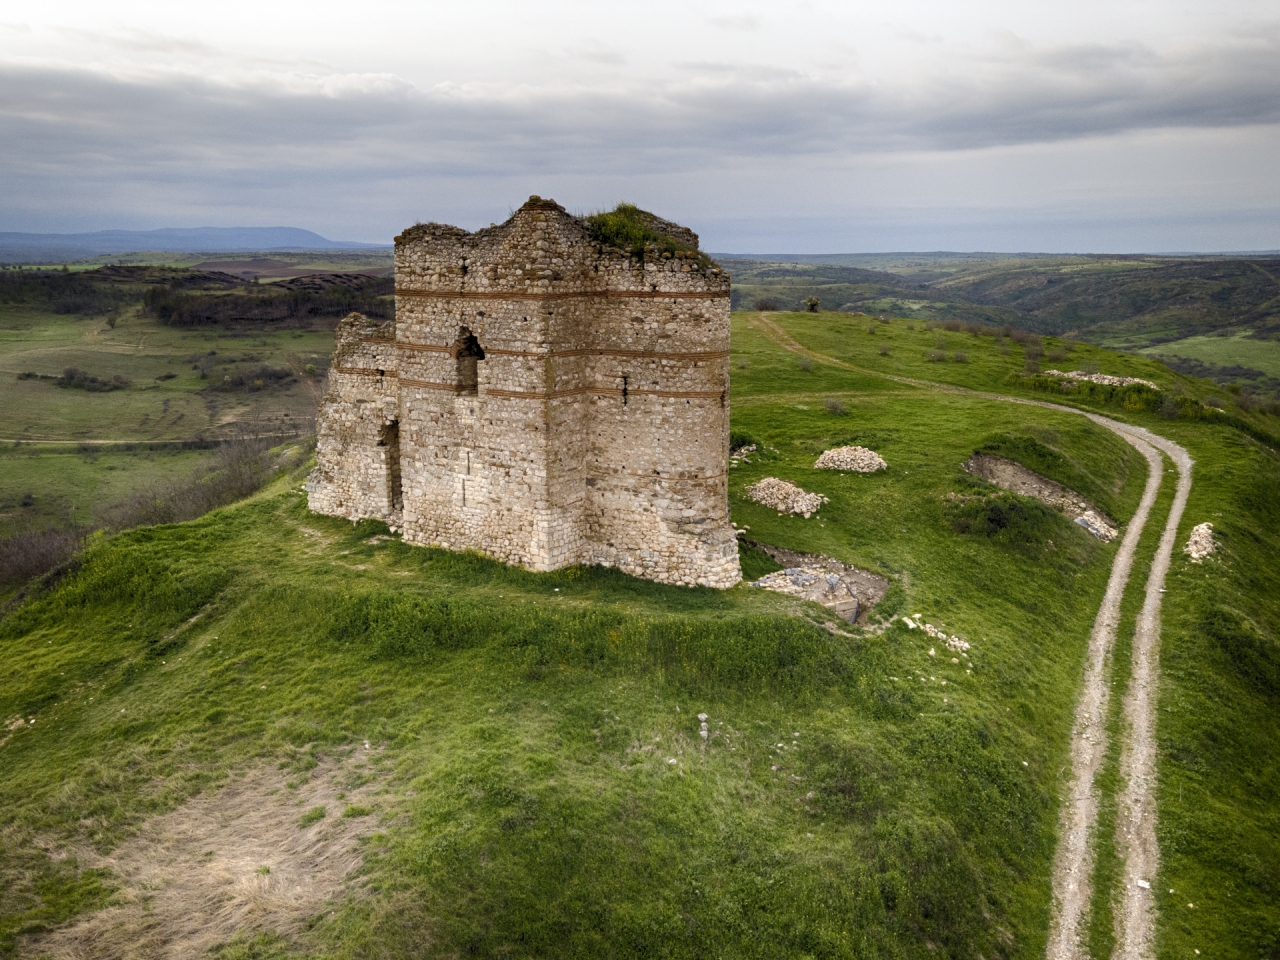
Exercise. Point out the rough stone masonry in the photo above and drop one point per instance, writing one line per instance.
(541, 398)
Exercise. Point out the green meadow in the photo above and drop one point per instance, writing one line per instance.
(167, 398)
(541, 787)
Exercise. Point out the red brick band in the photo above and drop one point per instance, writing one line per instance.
(566, 295)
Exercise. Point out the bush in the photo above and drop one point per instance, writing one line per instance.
(1007, 518)
(739, 439)
(804, 363)
(936, 356)
(884, 351)
(767, 303)
(33, 553)
(960, 356)
(834, 405)
(812, 304)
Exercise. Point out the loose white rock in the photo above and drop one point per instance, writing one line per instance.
(1201, 543)
(785, 497)
(856, 459)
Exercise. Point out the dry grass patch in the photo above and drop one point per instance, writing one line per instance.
(239, 861)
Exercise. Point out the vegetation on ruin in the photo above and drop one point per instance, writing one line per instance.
(636, 231)
(525, 720)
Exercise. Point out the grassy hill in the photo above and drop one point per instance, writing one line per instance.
(527, 749)
(1216, 317)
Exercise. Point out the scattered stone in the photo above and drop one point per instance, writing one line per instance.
(1103, 378)
(856, 459)
(739, 454)
(955, 644)
(1201, 543)
(785, 497)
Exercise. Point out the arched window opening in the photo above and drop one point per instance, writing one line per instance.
(389, 446)
(469, 353)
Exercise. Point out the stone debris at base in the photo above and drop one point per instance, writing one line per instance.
(1096, 524)
(786, 497)
(845, 590)
(1201, 543)
(1103, 378)
(739, 454)
(856, 459)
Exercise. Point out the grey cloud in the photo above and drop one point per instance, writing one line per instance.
(80, 120)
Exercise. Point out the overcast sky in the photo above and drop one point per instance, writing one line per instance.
(783, 127)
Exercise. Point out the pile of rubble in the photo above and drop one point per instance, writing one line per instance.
(1103, 378)
(785, 497)
(739, 454)
(847, 591)
(857, 459)
(1201, 543)
(1098, 525)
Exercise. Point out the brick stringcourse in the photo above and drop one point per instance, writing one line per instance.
(442, 422)
(565, 294)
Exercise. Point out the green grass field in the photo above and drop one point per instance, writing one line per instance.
(145, 353)
(44, 484)
(1237, 349)
(858, 797)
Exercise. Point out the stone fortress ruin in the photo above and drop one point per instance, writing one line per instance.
(544, 396)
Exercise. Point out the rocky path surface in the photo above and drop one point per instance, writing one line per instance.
(1136, 818)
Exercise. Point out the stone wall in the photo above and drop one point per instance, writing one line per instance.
(556, 402)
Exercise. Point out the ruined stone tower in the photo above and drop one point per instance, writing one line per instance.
(542, 397)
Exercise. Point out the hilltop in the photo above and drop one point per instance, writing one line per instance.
(514, 762)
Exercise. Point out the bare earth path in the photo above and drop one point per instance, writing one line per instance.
(1136, 820)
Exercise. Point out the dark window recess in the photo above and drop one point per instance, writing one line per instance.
(389, 441)
(469, 354)
(624, 391)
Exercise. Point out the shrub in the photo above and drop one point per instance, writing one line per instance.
(1008, 519)
(834, 405)
(767, 303)
(936, 356)
(812, 304)
(804, 363)
(1057, 355)
(884, 351)
(33, 553)
(953, 325)
(960, 356)
(740, 438)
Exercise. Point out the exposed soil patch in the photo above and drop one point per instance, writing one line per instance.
(1016, 478)
(237, 861)
(850, 592)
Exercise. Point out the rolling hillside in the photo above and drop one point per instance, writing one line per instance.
(285, 735)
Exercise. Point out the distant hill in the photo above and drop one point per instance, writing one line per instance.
(42, 247)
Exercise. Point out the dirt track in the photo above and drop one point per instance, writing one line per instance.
(1136, 818)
